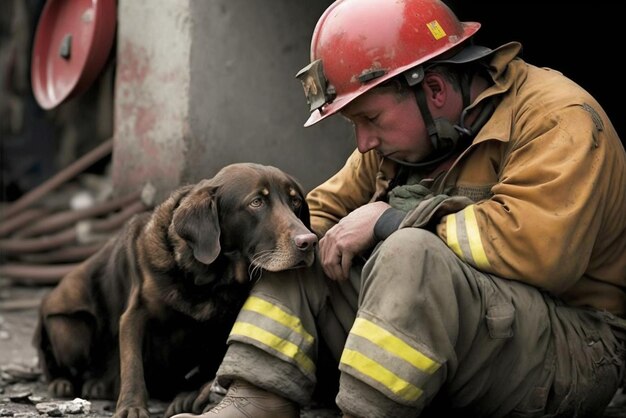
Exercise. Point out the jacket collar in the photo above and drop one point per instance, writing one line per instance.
(504, 71)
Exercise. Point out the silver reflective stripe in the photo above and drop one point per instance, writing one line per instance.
(271, 328)
(463, 237)
(386, 361)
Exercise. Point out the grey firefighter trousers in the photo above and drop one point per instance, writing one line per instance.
(419, 332)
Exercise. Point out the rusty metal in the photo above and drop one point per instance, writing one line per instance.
(67, 254)
(61, 220)
(35, 274)
(117, 220)
(13, 246)
(58, 179)
(18, 221)
(42, 249)
(19, 304)
(84, 232)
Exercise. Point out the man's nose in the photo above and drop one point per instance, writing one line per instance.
(365, 141)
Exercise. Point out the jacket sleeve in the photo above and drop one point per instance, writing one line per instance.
(540, 225)
(350, 188)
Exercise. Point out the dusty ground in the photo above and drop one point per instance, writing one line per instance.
(21, 384)
(22, 390)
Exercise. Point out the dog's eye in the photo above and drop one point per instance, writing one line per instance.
(296, 202)
(257, 203)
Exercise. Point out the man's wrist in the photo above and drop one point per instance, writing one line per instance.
(388, 222)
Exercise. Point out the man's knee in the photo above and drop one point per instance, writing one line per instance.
(281, 284)
(408, 257)
(413, 243)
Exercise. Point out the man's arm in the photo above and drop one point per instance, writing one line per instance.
(353, 186)
(542, 223)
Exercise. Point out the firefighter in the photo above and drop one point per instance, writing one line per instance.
(472, 257)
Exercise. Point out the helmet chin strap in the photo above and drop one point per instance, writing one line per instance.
(443, 135)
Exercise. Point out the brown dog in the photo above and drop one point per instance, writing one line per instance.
(169, 287)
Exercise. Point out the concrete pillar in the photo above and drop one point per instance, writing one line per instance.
(201, 84)
(151, 94)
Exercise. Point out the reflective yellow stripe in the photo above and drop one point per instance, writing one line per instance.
(269, 310)
(451, 237)
(394, 345)
(288, 348)
(473, 234)
(375, 371)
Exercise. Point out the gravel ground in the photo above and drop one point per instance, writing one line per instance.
(22, 389)
(23, 392)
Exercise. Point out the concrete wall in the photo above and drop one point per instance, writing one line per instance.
(201, 84)
(152, 88)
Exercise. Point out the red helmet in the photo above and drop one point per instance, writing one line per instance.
(359, 44)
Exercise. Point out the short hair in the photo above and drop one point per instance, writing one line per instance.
(452, 73)
(398, 85)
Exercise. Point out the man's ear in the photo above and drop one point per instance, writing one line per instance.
(435, 89)
(196, 221)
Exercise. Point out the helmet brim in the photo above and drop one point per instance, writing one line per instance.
(468, 54)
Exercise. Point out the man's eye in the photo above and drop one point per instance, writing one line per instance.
(256, 203)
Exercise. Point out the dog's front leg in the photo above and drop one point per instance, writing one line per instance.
(133, 399)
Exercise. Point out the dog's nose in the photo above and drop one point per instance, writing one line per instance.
(305, 242)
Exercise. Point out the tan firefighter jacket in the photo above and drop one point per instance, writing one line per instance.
(547, 175)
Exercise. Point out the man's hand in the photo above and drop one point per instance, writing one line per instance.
(351, 236)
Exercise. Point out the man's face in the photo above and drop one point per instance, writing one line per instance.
(389, 123)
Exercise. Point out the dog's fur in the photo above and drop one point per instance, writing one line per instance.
(169, 287)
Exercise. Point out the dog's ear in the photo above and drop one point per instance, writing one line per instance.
(196, 221)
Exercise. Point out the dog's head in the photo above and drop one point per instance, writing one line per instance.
(256, 216)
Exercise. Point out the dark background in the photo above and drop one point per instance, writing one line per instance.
(583, 41)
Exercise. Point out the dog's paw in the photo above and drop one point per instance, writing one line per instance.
(131, 412)
(61, 388)
(210, 395)
(183, 402)
(198, 401)
(97, 389)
